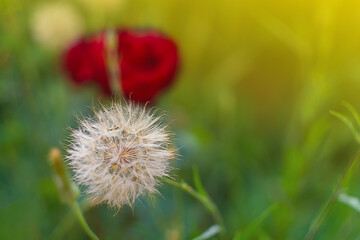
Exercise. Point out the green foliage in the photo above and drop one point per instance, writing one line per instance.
(249, 109)
(351, 201)
(253, 228)
(353, 128)
(209, 233)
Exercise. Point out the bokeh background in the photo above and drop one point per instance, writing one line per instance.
(250, 108)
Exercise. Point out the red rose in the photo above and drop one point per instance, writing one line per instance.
(85, 61)
(147, 62)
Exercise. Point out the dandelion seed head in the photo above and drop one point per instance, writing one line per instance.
(120, 154)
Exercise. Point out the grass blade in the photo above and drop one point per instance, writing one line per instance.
(325, 209)
(351, 201)
(210, 232)
(250, 230)
(353, 111)
(348, 123)
(197, 182)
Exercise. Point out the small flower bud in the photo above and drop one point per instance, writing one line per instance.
(67, 190)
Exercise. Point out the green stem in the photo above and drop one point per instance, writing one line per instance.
(67, 222)
(331, 201)
(209, 205)
(83, 223)
(113, 61)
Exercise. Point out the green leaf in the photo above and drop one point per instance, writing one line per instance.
(327, 206)
(348, 123)
(251, 229)
(210, 232)
(237, 235)
(351, 201)
(197, 182)
(353, 111)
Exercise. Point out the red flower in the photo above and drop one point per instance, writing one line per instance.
(85, 61)
(147, 62)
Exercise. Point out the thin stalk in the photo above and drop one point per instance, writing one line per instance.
(331, 201)
(67, 222)
(113, 61)
(82, 221)
(208, 204)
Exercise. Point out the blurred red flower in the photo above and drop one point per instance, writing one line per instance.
(147, 60)
(85, 61)
(148, 63)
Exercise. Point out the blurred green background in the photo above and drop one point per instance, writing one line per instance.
(250, 108)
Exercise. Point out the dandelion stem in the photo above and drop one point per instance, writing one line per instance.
(315, 226)
(208, 204)
(83, 223)
(67, 222)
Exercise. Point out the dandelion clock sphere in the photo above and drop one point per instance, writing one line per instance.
(120, 154)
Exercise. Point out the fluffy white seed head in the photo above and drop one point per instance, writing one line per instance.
(120, 153)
